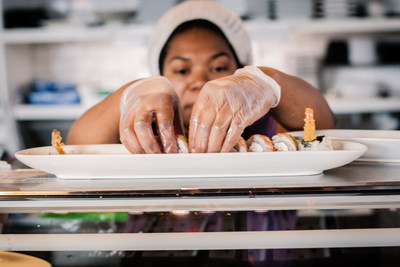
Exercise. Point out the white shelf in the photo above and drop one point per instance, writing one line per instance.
(338, 105)
(131, 33)
(259, 29)
(48, 112)
(355, 25)
(364, 105)
(138, 33)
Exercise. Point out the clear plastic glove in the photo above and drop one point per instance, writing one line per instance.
(226, 106)
(144, 102)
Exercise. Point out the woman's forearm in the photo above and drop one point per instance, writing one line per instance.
(100, 124)
(296, 95)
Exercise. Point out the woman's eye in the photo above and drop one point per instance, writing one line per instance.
(181, 71)
(219, 69)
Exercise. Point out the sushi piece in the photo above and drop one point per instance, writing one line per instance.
(240, 146)
(284, 142)
(260, 143)
(182, 144)
(56, 141)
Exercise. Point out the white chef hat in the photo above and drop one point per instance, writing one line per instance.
(229, 23)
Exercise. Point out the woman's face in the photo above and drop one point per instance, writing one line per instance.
(193, 58)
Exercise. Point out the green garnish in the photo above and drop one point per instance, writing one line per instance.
(319, 138)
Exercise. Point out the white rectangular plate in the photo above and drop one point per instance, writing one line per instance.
(383, 145)
(114, 161)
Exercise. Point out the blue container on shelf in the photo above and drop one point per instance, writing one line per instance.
(53, 93)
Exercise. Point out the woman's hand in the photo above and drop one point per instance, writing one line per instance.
(143, 103)
(226, 106)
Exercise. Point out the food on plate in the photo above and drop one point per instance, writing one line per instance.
(240, 146)
(260, 143)
(284, 142)
(256, 143)
(56, 141)
(182, 144)
(310, 141)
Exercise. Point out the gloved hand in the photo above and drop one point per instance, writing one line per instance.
(226, 106)
(144, 102)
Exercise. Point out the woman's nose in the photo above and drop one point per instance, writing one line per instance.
(199, 78)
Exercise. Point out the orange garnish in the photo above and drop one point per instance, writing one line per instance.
(56, 141)
(309, 126)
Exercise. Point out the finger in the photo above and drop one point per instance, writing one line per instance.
(165, 128)
(144, 132)
(130, 141)
(127, 136)
(235, 130)
(199, 129)
(219, 129)
(198, 107)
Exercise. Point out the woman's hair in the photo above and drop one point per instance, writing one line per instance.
(189, 25)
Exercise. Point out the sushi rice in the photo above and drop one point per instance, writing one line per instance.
(319, 144)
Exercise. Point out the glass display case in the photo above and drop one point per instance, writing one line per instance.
(348, 215)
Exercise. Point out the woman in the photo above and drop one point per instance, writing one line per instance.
(203, 86)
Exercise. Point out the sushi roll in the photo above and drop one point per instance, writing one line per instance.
(284, 142)
(260, 143)
(240, 146)
(182, 144)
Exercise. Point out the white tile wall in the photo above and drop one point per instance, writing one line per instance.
(299, 55)
(103, 65)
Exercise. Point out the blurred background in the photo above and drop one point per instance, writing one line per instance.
(60, 57)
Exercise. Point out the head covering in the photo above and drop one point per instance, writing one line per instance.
(229, 23)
